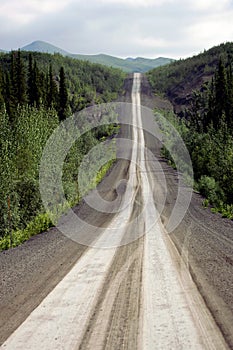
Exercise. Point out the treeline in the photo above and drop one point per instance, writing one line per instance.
(66, 84)
(25, 85)
(206, 127)
(37, 92)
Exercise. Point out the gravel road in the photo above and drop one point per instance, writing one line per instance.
(138, 295)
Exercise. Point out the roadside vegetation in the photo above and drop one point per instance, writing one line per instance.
(37, 92)
(206, 126)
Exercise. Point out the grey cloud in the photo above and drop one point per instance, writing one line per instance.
(117, 29)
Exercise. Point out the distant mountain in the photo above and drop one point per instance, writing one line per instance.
(42, 46)
(138, 64)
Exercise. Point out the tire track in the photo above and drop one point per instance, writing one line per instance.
(114, 322)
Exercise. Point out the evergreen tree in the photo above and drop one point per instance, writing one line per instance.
(210, 115)
(13, 88)
(1, 90)
(31, 82)
(21, 86)
(37, 93)
(42, 87)
(52, 90)
(63, 96)
(17, 90)
(8, 96)
(36, 83)
(220, 93)
(229, 105)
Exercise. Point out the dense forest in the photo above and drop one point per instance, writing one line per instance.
(206, 121)
(37, 92)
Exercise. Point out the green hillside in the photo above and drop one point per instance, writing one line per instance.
(138, 64)
(178, 79)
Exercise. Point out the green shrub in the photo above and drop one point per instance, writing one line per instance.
(205, 203)
(40, 223)
(210, 189)
(225, 209)
(29, 200)
(103, 171)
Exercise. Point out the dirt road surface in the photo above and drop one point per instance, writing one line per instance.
(159, 291)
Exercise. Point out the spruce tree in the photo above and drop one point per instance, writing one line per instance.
(63, 96)
(21, 86)
(17, 91)
(1, 90)
(31, 82)
(42, 87)
(210, 115)
(52, 91)
(37, 94)
(220, 93)
(229, 106)
(12, 91)
(8, 96)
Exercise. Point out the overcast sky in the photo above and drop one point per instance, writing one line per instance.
(149, 28)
